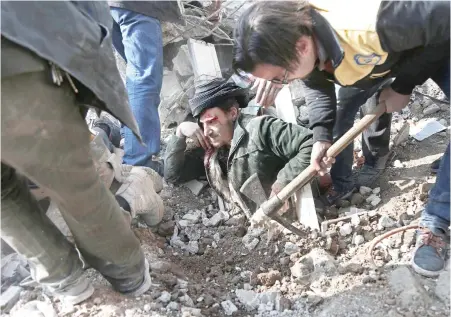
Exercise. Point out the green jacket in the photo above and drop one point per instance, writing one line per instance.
(274, 149)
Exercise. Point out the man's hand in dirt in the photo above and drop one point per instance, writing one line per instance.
(194, 132)
(266, 91)
(393, 100)
(318, 159)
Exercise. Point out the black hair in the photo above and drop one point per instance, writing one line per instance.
(267, 32)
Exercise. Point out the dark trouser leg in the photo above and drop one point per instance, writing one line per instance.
(437, 212)
(45, 138)
(349, 102)
(53, 260)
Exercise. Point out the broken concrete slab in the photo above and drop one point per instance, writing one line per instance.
(182, 62)
(217, 219)
(195, 186)
(204, 60)
(9, 298)
(170, 84)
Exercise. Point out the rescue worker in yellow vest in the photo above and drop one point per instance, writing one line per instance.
(375, 51)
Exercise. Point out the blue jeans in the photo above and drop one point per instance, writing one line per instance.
(138, 39)
(376, 138)
(437, 212)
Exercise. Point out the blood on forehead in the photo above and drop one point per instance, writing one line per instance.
(208, 116)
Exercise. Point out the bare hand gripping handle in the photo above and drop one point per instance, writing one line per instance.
(272, 205)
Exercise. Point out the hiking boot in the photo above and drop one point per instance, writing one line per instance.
(334, 197)
(146, 284)
(435, 165)
(430, 252)
(138, 190)
(76, 293)
(157, 180)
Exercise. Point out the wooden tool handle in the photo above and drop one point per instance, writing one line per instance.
(354, 132)
(333, 151)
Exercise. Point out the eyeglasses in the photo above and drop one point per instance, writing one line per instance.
(284, 81)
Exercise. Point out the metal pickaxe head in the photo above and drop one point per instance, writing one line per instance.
(253, 189)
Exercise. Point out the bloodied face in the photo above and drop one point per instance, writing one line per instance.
(217, 125)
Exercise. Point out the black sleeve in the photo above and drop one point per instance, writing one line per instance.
(181, 165)
(404, 25)
(416, 67)
(322, 105)
(420, 31)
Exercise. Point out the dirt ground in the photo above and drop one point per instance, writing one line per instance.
(207, 270)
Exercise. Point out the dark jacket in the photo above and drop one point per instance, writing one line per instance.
(408, 40)
(76, 36)
(274, 149)
(165, 11)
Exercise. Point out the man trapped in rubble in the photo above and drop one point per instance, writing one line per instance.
(233, 146)
(361, 49)
(57, 56)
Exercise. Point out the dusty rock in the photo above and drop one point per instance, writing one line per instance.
(398, 164)
(443, 122)
(374, 200)
(357, 199)
(376, 190)
(358, 240)
(355, 220)
(13, 269)
(165, 297)
(409, 291)
(369, 235)
(217, 219)
(316, 263)
(35, 308)
(250, 242)
(172, 306)
(365, 190)
(351, 268)
(186, 300)
(314, 300)
(345, 229)
(248, 298)
(229, 307)
(386, 222)
(97, 301)
(270, 278)
(193, 233)
(193, 217)
(282, 303)
(285, 260)
(195, 186)
(290, 248)
(184, 223)
(368, 279)
(147, 308)
(433, 108)
(191, 312)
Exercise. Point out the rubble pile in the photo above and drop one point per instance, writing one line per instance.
(205, 260)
